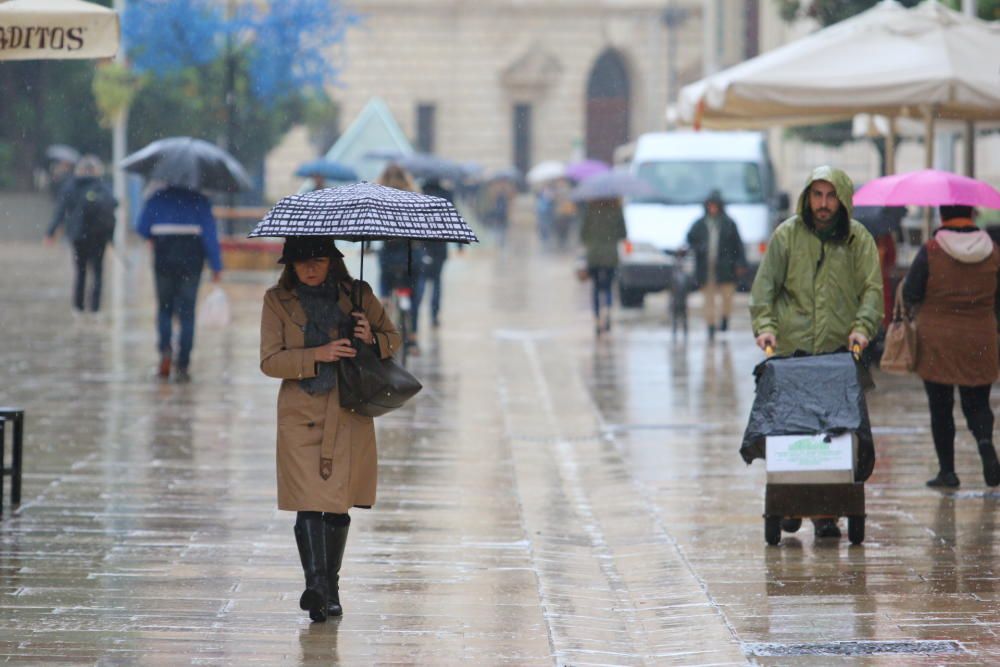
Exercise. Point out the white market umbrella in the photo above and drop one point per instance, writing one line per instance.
(924, 62)
(56, 30)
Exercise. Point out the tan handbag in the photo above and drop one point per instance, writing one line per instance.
(900, 353)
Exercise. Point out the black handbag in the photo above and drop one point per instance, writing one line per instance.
(370, 385)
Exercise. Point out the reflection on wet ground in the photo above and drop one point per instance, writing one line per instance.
(548, 499)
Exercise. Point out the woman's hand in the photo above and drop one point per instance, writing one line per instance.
(334, 350)
(363, 328)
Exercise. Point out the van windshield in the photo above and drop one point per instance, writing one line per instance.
(691, 182)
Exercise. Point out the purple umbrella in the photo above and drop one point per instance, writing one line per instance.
(581, 171)
(612, 185)
(928, 187)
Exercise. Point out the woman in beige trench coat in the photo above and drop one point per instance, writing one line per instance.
(326, 459)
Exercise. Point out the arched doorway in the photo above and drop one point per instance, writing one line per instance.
(607, 106)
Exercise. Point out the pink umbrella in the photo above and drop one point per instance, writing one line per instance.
(928, 187)
(581, 171)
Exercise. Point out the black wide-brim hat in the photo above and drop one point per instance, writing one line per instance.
(301, 248)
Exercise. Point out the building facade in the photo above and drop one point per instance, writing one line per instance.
(514, 82)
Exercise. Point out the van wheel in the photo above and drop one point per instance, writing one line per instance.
(630, 298)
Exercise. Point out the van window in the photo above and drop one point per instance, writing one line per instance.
(691, 182)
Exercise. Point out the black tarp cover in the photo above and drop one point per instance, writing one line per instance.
(809, 394)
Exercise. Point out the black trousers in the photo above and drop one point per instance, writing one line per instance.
(978, 415)
(88, 255)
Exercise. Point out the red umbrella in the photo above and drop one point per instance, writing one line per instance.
(928, 187)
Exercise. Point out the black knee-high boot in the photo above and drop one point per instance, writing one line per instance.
(310, 536)
(991, 466)
(337, 526)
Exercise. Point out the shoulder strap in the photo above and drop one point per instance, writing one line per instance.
(354, 294)
(899, 310)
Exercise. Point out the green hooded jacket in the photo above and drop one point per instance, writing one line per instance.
(812, 294)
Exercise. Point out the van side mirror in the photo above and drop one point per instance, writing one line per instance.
(783, 202)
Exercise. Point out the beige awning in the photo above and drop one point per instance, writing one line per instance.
(57, 29)
(889, 60)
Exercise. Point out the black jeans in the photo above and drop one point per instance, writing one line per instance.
(978, 415)
(429, 272)
(87, 254)
(602, 278)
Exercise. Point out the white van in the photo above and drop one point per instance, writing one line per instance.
(684, 167)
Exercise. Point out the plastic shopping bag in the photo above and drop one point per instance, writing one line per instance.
(215, 310)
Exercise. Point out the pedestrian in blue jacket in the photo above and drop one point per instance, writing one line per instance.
(180, 225)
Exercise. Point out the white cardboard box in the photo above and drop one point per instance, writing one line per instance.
(810, 459)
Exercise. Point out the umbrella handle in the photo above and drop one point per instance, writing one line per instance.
(856, 351)
(362, 276)
(769, 351)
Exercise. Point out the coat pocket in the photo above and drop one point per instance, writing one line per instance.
(300, 432)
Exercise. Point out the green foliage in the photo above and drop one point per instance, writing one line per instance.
(6, 165)
(828, 12)
(46, 102)
(115, 87)
(988, 10)
(192, 102)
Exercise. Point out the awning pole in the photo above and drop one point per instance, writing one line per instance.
(890, 147)
(928, 161)
(970, 149)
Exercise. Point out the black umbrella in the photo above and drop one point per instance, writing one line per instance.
(366, 212)
(189, 163)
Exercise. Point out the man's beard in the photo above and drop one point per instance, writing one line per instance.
(819, 218)
(835, 218)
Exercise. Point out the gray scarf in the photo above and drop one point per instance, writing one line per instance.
(323, 316)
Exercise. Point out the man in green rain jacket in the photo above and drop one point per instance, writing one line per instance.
(819, 286)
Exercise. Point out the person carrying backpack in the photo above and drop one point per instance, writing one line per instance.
(87, 209)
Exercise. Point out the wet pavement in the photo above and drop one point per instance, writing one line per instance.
(548, 499)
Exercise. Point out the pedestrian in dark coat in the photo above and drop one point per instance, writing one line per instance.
(326, 457)
(434, 255)
(719, 260)
(602, 228)
(180, 224)
(954, 281)
(400, 261)
(86, 208)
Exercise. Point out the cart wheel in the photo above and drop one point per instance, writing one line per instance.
(772, 529)
(791, 525)
(856, 529)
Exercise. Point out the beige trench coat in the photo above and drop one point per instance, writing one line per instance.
(314, 428)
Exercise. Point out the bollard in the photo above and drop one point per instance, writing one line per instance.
(16, 418)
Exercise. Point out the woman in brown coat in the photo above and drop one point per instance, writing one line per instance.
(326, 460)
(954, 280)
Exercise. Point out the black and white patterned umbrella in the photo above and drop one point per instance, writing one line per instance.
(366, 212)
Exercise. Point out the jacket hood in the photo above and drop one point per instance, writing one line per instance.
(841, 184)
(965, 247)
